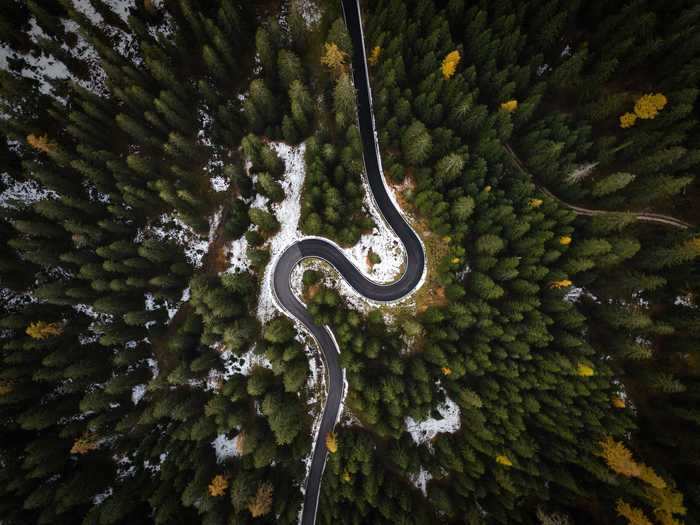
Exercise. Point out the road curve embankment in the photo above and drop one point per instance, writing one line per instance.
(328, 251)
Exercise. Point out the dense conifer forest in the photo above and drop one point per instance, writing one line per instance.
(156, 156)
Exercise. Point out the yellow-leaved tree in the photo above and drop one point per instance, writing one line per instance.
(374, 55)
(502, 459)
(261, 503)
(649, 105)
(618, 402)
(510, 105)
(619, 458)
(634, 515)
(449, 64)
(43, 330)
(334, 58)
(664, 499)
(584, 370)
(331, 442)
(627, 120)
(562, 283)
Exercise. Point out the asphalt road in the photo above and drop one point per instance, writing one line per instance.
(323, 249)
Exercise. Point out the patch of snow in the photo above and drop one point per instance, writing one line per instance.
(287, 212)
(174, 307)
(309, 11)
(121, 7)
(461, 274)
(425, 431)
(685, 300)
(88, 310)
(166, 29)
(125, 468)
(238, 255)
(421, 479)
(316, 375)
(214, 380)
(219, 183)
(137, 393)
(244, 363)
(260, 201)
(97, 499)
(95, 195)
(22, 193)
(225, 448)
(150, 302)
(573, 294)
(382, 241)
(171, 227)
(85, 7)
(89, 338)
(641, 301)
(87, 54)
(153, 365)
(11, 298)
(155, 467)
(42, 67)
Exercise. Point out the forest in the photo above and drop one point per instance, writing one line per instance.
(156, 156)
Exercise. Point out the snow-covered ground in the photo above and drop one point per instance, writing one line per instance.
(225, 447)
(22, 193)
(425, 431)
(421, 479)
(11, 298)
(172, 228)
(310, 11)
(287, 212)
(137, 393)
(382, 241)
(242, 364)
(238, 255)
(685, 300)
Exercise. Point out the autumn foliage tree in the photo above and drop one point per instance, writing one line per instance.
(261, 503)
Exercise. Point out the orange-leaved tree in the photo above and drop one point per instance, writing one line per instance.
(41, 143)
(218, 485)
(43, 330)
(261, 503)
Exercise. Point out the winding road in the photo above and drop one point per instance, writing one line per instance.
(314, 247)
(330, 252)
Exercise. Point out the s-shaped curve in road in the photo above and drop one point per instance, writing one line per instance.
(328, 251)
